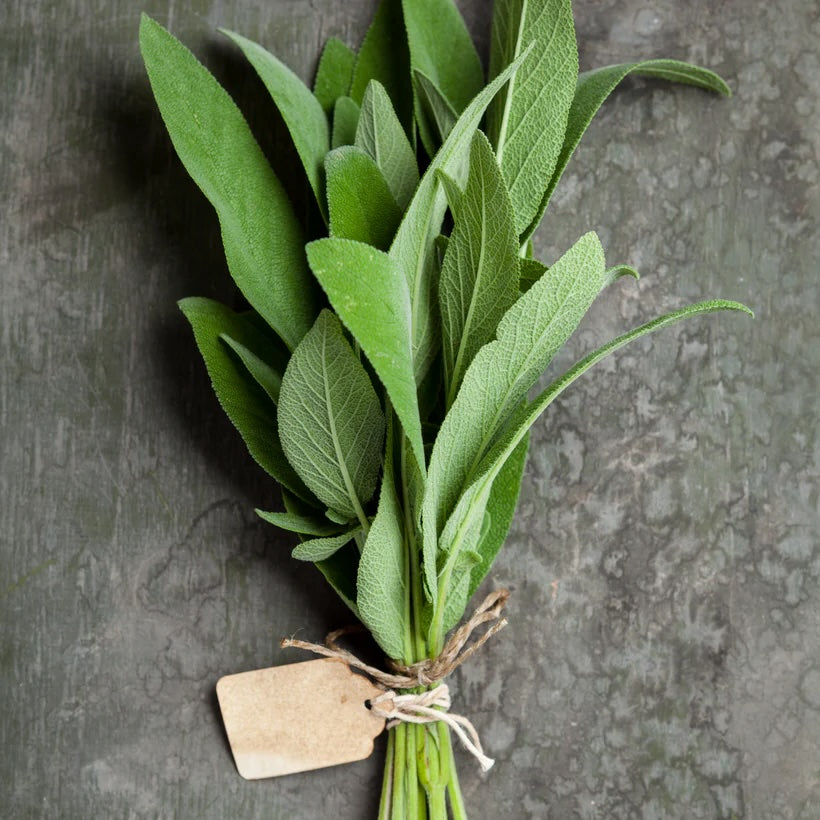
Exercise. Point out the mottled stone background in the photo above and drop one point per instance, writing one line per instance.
(664, 655)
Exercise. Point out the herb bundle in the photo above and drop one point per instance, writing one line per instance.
(383, 373)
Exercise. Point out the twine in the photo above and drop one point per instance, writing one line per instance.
(432, 705)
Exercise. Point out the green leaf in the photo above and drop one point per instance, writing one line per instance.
(592, 90)
(319, 549)
(413, 249)
(528, 336)
(501, 504)
(382, 580)
(367, 290)
(301, 111)
(267, 377)
(360, 203)
(479, 278)
(435, 117)
(247, 406)
(330, 420)
(302, 524)
(384, 56)
(460, 532)
(334, 74)
(531, 271)
(340, 569)
(526, 122)
(340, 572)
(441, 48)
(381, 135)
(345, 122)
(219, 152)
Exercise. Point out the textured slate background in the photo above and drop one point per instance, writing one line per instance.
(664, 654)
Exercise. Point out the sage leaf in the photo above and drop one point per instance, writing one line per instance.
(340, 572)
(319, 549)
(460, 531)
(595, 86)
(330, 420)
(267, 377)
(302, 524)
(501, 374)
(334, 73)
(382, 580)
(384, 56)
(479, 278)
(441, 48)
(369, 293)
(301, 111)
(216, 147)
(531, 271)
(413, 248)
(618, 271)
(436, 117)
(340, 569)
(501, 504)
(345, 122)
(526, 122)
(381, 135)
(360, 203)
(245, 403)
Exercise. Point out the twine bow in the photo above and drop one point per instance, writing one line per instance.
(431, 705)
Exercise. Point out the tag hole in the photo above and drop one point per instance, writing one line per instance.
(368, 704)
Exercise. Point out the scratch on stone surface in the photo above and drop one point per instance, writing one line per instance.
(28, 576)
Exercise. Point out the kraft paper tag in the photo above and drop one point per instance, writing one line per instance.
(297, 717)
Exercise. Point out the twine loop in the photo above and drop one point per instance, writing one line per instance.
(431, 705)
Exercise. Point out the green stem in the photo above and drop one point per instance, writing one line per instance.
(399, 803)
(420, 776)
(412, 774)
(457, 808)
(387, 782)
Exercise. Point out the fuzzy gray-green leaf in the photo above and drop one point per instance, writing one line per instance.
(360, 203)
(479, 278)
(341, 568)
(381, 135)
(528, 336)
(382, 580)
(384, 56)
(436, 117)
(302, 524)
(442, 49)
(330, 420)
(368, 291)
(246, 404)
(531, 271)
(219, 152)
(319, 549)
(458, 536)
(592, 90)
(526, 122)
(413, 249)
(345, 122)
(334, 74)
(267, 377)
(301, 111)
(501, 504)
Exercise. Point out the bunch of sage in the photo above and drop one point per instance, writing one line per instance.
(383, 372)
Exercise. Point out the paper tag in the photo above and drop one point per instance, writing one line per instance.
(297, 717)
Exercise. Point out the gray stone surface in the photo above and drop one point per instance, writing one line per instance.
(663, 659)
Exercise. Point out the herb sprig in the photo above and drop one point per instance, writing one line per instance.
(383, 372)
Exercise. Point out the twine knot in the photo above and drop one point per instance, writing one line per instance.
(431, 705)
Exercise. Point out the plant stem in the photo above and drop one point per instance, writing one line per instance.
(453, 786)
(419, 773)
(399, 803)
